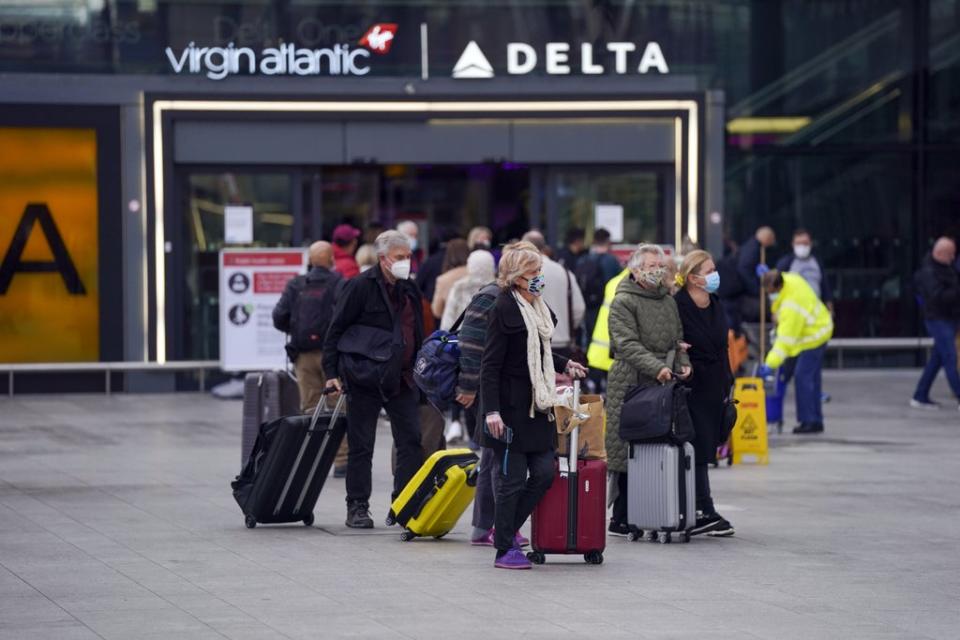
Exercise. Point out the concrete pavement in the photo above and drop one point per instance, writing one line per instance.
(116, 521)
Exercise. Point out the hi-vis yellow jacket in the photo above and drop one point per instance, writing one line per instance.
(598, 353)
(803, 321)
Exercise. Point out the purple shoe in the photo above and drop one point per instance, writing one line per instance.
(485, 540)
(512, 559)
(519, 541)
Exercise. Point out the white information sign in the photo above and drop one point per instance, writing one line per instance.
(238, 224)
(610, 217)
(251, 281)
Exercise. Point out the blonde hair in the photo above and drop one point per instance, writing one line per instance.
(691, 265)
(366, 255)
(517, 259)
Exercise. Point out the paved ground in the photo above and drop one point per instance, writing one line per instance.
(116, 522)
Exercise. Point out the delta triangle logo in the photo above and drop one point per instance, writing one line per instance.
(472, 63)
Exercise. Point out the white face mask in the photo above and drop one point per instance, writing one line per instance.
(400, 269)
(801, 251)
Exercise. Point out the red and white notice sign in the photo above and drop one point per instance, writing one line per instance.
(251, 281)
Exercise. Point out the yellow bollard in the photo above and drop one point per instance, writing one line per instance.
(749, 438)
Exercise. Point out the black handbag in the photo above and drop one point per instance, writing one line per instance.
(729, 418)
(656, 413)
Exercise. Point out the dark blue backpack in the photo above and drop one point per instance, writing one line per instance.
(437, 367)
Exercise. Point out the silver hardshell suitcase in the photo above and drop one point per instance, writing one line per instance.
(661, 492)
(267, 395)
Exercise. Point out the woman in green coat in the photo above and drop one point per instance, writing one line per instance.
(644, 327)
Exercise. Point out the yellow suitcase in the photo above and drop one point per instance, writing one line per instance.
(437, 495)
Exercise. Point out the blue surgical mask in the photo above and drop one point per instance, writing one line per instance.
(414, 243)
(536, 284)
(712, 282)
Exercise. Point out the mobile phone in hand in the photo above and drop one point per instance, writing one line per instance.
(506, 437)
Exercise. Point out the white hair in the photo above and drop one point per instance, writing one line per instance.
(636, 260)
(390, 240)
(408, 227)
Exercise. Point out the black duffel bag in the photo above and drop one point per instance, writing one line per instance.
(656, 413)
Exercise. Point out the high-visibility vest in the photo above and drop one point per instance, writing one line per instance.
(803, 321)
(598, 354)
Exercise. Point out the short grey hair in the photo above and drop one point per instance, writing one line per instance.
(636, 260)
(408, 227)
(390, 240)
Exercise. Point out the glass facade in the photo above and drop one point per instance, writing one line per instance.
(843, 116)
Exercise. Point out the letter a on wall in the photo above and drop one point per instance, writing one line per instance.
(49, 245)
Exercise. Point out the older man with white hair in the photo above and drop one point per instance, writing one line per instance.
(373, 339)
(562, 294)
(938, 286)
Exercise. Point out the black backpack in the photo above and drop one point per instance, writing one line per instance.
(311, 314)
(590, 279)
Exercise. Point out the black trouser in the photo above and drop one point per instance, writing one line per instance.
(704, 499)
(619, 515)
(362, 414)
(518, 494)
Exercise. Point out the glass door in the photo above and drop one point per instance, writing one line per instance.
(637, 202)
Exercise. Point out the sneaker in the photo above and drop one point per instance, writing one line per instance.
(809, 427)
(520, 541)
(454, 432)
(358, 515)
(340, 472)
(706, 522)
(512, 559)
(929, 405)
(723, 529)
(486, 540)
(618, 529)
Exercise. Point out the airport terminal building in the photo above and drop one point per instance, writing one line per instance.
(127, 127)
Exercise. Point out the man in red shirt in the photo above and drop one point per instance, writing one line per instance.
(344, 246)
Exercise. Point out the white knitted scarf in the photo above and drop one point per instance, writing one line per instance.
(536, 317)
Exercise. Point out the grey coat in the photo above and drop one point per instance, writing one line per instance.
(644, 326)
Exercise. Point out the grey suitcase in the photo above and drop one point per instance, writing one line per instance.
(267, 395)
(661, 492)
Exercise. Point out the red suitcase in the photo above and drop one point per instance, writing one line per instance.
(572, 516)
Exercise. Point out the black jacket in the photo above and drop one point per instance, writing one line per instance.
(364, 302)
(938, 286)
(748, 257)
(705, 330)
(505, 380)
(283, 312)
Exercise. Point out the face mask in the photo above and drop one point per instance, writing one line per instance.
(400, 269)
(414, 243)
(801, 251)
(536, 284)
(773, 297)
(712, 282)
(654, 276)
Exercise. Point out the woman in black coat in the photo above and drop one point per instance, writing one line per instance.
(517, 393)
(705, 330)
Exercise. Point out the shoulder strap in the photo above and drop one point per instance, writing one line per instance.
(456, 325)
(573, 338)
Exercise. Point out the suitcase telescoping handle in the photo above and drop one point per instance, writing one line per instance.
(575, 433)
(318, 410)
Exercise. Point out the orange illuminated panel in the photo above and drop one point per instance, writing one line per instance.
(49, 289)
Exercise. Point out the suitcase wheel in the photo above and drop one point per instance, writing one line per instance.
(684, 537)
(594, 557)
(650, 536)
(536, 557)
(407, 536)
(390, 521)
(663, 537)
(308, 520)
(633, 536)
(250, 521)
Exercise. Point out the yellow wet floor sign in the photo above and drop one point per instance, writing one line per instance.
(749, 438)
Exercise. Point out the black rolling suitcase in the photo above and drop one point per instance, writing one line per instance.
(267, 395)
(288, 466)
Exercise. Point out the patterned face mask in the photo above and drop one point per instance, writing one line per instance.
(653, 277)
(536, 284)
